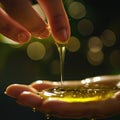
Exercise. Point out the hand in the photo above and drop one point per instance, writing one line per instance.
(27, 95)
(18, 20)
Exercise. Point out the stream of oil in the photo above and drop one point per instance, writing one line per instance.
(61, 49)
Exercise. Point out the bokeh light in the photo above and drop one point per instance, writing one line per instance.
(36, 51)
(77, 10)
(95, 58)
(115, 58)
(73, 44)
(85, 27)
(95, 44)
(108, 37)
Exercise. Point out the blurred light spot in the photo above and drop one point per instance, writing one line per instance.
(48, 94)
(83, 81)
(38, 9)
(115, 58)
(85, 27)
(86, 81)
(73, 44)
(95, 58)
(39, 82)
(108, 37)
(96, 79)
(76, 10)
(95, 44)
(36, 50)
(55, 67)
(118, 85)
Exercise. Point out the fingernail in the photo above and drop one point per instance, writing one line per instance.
(62, 37)
(23, 37)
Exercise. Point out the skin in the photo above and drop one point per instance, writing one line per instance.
(18, 20)
(26, 95)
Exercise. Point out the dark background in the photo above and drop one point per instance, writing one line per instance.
(17, 67)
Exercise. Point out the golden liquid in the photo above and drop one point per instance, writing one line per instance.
(80, 94)
(61, 50)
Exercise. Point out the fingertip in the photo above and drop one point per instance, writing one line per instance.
(15, 90)
(57, 19)
(60, 28)
(22, 37)
(61, 36)
(13, 30)
(10, 90)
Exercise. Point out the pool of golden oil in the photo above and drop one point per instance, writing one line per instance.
(80, 94)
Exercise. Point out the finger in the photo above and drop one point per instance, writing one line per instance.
(30, 99)
(15, 90)
(40, 85)
(22, 12)
(57, 19)
(11, 29)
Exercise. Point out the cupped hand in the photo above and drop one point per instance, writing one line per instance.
(27, 95)
(18, 20)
